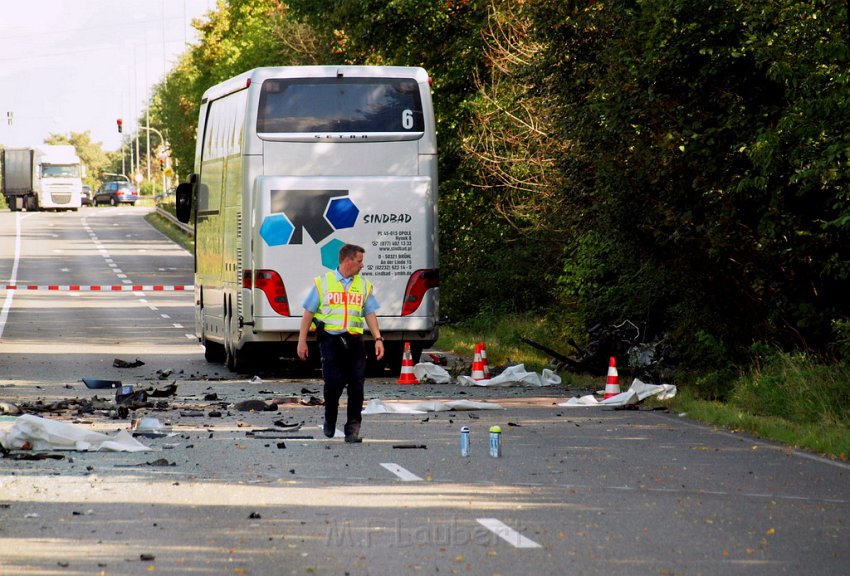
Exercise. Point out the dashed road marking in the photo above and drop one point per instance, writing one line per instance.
(402, 473)
(507, 533)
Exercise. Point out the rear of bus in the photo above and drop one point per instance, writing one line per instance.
(341, 155)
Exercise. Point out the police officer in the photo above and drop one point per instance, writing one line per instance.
(340, 302)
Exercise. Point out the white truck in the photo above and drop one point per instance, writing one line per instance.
(45, 177)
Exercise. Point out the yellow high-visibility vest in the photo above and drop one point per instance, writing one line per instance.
(342, 310)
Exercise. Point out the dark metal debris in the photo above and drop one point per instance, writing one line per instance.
(118, 363)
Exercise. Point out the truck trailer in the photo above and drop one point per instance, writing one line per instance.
(45, 177)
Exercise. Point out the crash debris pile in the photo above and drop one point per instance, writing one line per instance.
(31, 426)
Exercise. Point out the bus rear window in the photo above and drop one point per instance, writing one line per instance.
(310, 105)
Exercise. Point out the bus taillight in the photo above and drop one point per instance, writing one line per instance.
(271, 285)
(420, 282)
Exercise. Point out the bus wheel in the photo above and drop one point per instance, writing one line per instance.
(393, 352)
(213, 352)
(238, 361)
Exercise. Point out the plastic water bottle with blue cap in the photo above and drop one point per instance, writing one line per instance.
(464, 441)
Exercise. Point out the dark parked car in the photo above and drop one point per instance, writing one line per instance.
(86, 196)
(115, 193)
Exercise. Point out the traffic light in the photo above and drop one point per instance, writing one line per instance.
(120, 125)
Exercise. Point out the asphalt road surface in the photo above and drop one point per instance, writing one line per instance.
(229, 490)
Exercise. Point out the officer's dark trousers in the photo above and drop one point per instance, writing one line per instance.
(343, 364)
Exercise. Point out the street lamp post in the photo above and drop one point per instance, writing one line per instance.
(164, 143)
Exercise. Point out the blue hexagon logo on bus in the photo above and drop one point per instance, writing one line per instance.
(330, 253)
(276, 230)
(342, 213)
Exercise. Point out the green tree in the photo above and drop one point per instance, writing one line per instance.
(237, 36)
(708, 164)
(502, 223)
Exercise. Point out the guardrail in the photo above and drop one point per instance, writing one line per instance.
(171, 218)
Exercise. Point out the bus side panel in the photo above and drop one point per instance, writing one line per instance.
(209, 235)
(218, 229)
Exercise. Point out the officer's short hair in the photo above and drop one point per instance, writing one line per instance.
(349, 251)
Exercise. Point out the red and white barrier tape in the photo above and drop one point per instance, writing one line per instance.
(99, 288)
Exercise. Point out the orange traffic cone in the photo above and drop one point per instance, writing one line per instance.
(477, 364)
(407, 376)
(612, 383)
(484, 362)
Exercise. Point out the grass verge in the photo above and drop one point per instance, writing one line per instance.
(827, 438)
(165, 226)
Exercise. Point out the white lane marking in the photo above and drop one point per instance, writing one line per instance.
(507, 533)
(13, 278)
(402, 473)
(10, 293)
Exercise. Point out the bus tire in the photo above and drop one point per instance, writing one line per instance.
(391, 362)
(239, 361)
(213, 352)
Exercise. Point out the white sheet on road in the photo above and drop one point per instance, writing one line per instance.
(43, 434)
(514, 376)
(376, 406)
(434, 373)
(511, 376)
(636, 393)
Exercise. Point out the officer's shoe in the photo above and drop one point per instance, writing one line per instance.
(353, 438)
(328, 430)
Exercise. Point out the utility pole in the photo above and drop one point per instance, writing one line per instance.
(148, 134)
(164, 144)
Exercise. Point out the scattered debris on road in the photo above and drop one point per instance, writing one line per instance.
(119, 363)
(649, 358)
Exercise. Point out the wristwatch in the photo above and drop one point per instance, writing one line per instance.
(381, 338)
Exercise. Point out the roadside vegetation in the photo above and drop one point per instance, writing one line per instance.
(683, 166)
(789, 398)
(168, 228)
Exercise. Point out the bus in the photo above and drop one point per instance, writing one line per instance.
(291, 163)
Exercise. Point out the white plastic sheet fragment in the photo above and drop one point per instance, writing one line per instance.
(376, 406)
(43, 434)
(434, 373)
(636, 393)
(514, 376)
